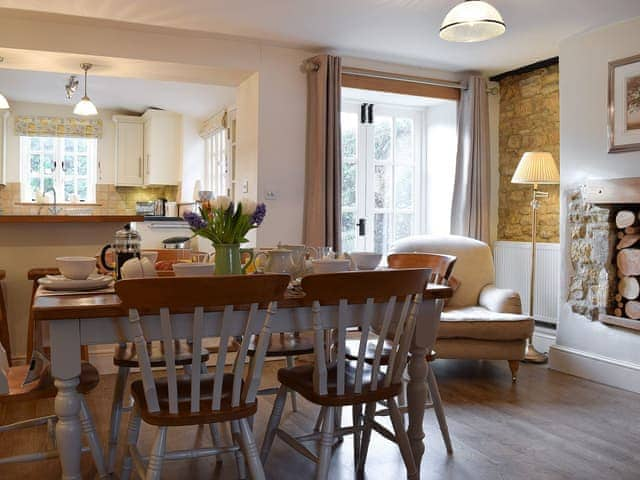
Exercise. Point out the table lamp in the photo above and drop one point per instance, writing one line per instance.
(535, 168)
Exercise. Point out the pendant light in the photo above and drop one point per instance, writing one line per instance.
(85, 106)
(472, 21)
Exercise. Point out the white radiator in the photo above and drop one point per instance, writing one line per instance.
(513, 270)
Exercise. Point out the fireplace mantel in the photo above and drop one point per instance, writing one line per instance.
(613, 191)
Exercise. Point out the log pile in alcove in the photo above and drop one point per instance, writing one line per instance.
(627, 301)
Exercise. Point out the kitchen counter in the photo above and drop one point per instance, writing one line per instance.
(70, 218)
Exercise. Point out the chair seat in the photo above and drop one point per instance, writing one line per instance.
(353, 347)
(44, 387)
(125, 355)
(286, 344)
(184, 415)
(479, 323)
(300, 379)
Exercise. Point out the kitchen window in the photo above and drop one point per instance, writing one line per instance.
(67, 165)
(217, 168)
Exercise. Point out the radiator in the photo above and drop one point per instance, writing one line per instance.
(513, 270)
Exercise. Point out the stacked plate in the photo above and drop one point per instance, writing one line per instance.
(62, 283)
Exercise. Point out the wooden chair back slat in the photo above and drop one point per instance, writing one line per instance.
(196, 368)
(255, 297)
(441, 265)
(169, 355)
(384, 301)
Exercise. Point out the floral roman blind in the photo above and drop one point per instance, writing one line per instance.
(36, 126)
(214, 123)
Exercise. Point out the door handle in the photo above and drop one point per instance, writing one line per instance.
(362, 226)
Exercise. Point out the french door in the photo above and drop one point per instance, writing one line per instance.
(381, 174)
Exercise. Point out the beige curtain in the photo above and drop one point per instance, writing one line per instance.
(471, 196)
(323, 163)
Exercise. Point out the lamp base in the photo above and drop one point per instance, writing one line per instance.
(534, 356)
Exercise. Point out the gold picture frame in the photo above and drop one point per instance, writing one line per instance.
(624, 105)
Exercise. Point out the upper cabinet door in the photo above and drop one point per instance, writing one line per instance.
(162, 141)
(129, 151)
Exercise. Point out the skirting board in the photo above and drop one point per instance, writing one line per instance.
(597, 368)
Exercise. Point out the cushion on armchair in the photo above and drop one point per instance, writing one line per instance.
(480, 323)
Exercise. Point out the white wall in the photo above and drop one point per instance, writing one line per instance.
(192, 157)
(587, 348)
(442, 143)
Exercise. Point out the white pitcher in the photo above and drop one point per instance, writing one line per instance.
(277, 260)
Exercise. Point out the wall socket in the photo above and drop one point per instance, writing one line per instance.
(270, 195)
(245, 186)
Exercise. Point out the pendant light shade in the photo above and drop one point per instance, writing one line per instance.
(85, 106)
(472, 21)
(4, 105)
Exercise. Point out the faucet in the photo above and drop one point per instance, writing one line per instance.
(55, 209)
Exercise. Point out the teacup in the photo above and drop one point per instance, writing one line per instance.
(76, 268)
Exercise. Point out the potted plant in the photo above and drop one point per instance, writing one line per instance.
(226, 225)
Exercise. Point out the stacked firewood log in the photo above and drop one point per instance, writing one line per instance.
(627, 303)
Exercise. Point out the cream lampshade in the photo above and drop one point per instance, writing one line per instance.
(537, 168)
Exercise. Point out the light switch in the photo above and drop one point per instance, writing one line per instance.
(270, 195)
(245, 186)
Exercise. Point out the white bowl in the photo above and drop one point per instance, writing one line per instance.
(194, 269)
(76, 268)
(330, 265)
(365, 260)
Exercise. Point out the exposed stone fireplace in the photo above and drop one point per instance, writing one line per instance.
(598, 289)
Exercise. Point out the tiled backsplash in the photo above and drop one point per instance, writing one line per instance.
(111, 200)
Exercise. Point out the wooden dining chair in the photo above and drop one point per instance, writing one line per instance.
(384, 301)
(219, 307)
(442, 267)
(4, 322)
(13, 392)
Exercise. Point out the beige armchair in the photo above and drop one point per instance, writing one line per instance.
(480, 321)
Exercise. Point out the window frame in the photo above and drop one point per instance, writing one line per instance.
(58, 173)
(217, 167)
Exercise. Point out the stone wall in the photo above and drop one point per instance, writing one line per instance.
(529, 121)
(591, 243)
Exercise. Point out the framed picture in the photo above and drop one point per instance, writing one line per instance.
(624, 105)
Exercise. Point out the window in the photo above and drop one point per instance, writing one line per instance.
(381, 171)
(64, 164)
(217, 168)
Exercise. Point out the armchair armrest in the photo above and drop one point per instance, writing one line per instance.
(501, 300)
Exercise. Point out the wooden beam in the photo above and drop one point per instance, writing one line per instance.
(527, 68)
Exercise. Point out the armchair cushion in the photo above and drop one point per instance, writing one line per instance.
(502, 300)
(479, 323)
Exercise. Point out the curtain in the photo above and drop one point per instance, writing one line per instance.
(36, 126)
(471, 195)
(323, 183)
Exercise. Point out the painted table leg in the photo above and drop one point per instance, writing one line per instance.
(65, 367)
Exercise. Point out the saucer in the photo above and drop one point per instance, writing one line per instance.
(61, 283)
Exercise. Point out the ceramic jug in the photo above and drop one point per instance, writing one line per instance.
(277, 260)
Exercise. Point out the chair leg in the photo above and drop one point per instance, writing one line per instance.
(320, 419)
(369, 413)
(89, 430)
(514, 365)
(290, 364)
(248, 444)
(133, 431)
(402, 439)
(434, 393)
(215, 439)
(356, 413)
(274, 422)
(338, 422)
(326, 444)
(154, 468)
(235, 435)
(116, 416)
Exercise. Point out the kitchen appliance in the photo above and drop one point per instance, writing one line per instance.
(171, 209)
(180, 243)
(160, 207)
(126, 245)
(145, 208)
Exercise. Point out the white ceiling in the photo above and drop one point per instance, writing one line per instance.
(130, 94)
(403, 31)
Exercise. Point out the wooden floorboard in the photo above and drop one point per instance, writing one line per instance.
(547, 426)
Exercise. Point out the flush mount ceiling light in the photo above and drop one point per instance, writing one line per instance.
(85, 106)
(472, 21)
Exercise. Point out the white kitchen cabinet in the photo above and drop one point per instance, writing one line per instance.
(129, 153)
(162, 147)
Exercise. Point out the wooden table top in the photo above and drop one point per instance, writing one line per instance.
(99, 305)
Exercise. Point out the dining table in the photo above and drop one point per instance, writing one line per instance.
(98, 318)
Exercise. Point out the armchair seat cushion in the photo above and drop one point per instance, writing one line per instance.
(480, 323)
